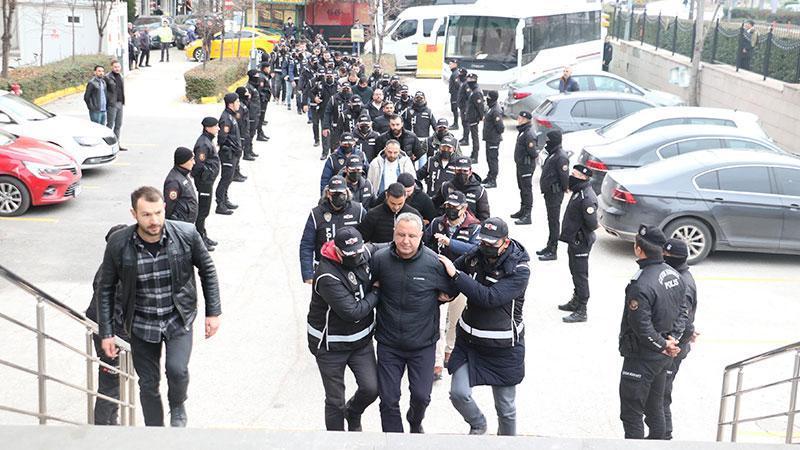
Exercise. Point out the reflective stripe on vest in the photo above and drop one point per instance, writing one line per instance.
(484, 334)
(341, 338)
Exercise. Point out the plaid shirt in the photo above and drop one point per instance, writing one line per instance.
(155, 317)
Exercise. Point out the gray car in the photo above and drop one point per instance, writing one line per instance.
(715, 200)
(528, 95)
(584, 110)
(666, 142)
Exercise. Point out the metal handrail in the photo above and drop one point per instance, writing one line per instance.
(127, 378)
(737, 393)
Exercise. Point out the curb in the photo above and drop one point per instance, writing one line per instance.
(53, 96)
(217, 98)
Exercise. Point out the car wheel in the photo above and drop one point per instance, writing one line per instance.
(14, 197)
(697, 236)
(198, 54)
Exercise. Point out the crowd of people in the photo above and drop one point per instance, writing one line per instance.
(401, 248)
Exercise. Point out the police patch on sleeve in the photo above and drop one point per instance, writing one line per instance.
(565, 168)
(496, 119)
(530, 144)
(633, 304)
(202, 156)
(590, 210)
(226, 128)
(173, 195)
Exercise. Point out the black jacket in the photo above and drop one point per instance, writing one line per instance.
(378, 225)
(229, 137)
(580, 217)
(180, 196)
(255, 102)
(91, 311)
(321, 227)
(453, 86)
(92, 94)
(493, 125)
(380, 124)
(434, 174)
(340, 315)
(555, 172)
(608, 52)
(477, 199)
(475, 107)
(525, 151)
(689, 308)
(206, 160)
(420, 201)
(408, 308)
(186, 251)
(115, 88)
(409, 143)
(653, 302)
(366, 143)
(362, 191)
(419, 120)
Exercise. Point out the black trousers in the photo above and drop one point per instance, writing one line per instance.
(454, 110)
(492, 153)
(465, 131)
(225, 179)
(605, 66)
(552, 202)
(147, 362)
(476, 143)
(277, 87)
(144, 57)
(579, 269)
(106, 412)
(392, 362)
(259, 130)
(525, 185)
(316, 118)
(641, 393)
(204, 192)
(671, 373)
(165, 50)
(331, 367)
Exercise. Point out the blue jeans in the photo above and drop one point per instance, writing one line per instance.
(289, 91)
(98, 117)
(461, 397)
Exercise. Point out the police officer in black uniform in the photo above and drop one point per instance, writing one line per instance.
(253, 90)
(553, 183)
(577, 230)
(366, 137)
(441, 131)
(525, 153)
(676, 253)
(243, 119)
(463, 95)
(341, 323)
(438, 169)
(179, 194)
(653, 303)
(205, 171)
(359, 186)
(474, 113)
(402, 102)
(334, 211)
(265, 94)
(466, 181)
(493, 134)
(230, 147)
(419, 118)
(453, 86)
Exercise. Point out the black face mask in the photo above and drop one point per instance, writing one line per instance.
(419, 101)
(451, 213)
(376, 72)
(347, 149)
(441, 133)
(404, 96)
(364, 129)
(338, 200)
(353, 261)
(353, 176)
(549, 145)
(675, 261)
(489, 252)
(574, 182)
(472, 84)
(444, 156)
(355, 109)
(462, 178)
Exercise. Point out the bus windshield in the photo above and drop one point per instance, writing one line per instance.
(471, 38)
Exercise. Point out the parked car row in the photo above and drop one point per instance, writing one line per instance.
(247, 38)
(42, 154)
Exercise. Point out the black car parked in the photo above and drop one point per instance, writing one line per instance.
(727, 200)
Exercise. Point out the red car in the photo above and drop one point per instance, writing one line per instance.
(33, 172)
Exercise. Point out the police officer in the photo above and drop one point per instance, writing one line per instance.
(553, 183)
(418, 118)
(334, 211)
(577, 230)
(338, 159)
(375, 77)
(243, 119)
(441, 131)
(321, 93)
(179, 194)
(332, 119)
(403, 102)
(468, 183)
(463, 95)
(439, 168)
(205, 171)
(490, 342)
(675, 254)
(229, 151)
(653, 302)
(253, 89)
(525, 153)
(493, 134)
(265, 94)
(359, 186)
(341, 323)
(366, 137)
(453, 87)
(474, 113)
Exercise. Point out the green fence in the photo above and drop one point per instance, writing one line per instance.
(773, 53)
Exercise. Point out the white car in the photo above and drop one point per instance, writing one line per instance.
(650, 118)
(88, 143)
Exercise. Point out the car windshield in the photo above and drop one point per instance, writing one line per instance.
(482, 39)
(619, 129)
(20, 108)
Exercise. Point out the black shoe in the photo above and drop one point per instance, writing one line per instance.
(490, 184)
(551, 256)
(474, 159)
(316, 143)
(453, 127)
(323, 156)
(249, 158)
(223, 210)
(308, 121)
(209, 248)
(239, 178)
(518, 214)
(570, 306)
(463, 142)
(230, 205)
(353, 420)
(299, 112)
(262, 138)
(177, 416)
(544, 251)
(578, 315)
(477, 431)
(525, 219)
(254, 154)
(210, 242)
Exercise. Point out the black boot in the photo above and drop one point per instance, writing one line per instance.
(210, 241)
(489, 184)
(249, 157)
(323, 156)
(549, 256)
(262, 138)
(230, 205)
(543, 251)
(239, 178)
(525, 219)
(519, 213)
(579, 315)
(570, 306)
(222, 209)
(353, 420)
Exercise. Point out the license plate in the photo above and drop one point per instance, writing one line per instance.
(78, 190)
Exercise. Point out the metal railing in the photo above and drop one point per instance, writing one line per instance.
(127, 379)
(737, 394)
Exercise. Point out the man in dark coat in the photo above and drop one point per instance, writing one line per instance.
(179, 194)
(378, 225)
(492, 134)
(553, 183)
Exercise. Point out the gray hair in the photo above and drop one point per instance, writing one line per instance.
(409, 217)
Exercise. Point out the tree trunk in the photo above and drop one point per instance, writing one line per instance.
(6, 51)
(73, 35)
(694, 93)
(100, 41)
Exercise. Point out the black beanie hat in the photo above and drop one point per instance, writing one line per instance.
(182, 154)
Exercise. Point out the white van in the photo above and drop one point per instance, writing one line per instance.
(412, 27)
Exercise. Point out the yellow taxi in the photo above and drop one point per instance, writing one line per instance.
(263, 44)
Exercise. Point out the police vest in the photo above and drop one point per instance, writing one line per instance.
(463, 232)
(327, 221)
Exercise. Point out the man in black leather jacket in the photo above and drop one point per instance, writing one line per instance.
(153, 262)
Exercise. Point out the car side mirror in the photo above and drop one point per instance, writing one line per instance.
(4, 118)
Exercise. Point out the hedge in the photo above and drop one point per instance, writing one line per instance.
(765, 15)
(215, 78)
(37, 81)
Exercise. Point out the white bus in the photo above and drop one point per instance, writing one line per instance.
(507, 40)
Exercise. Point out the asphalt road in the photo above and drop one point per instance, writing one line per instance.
(257, 372)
